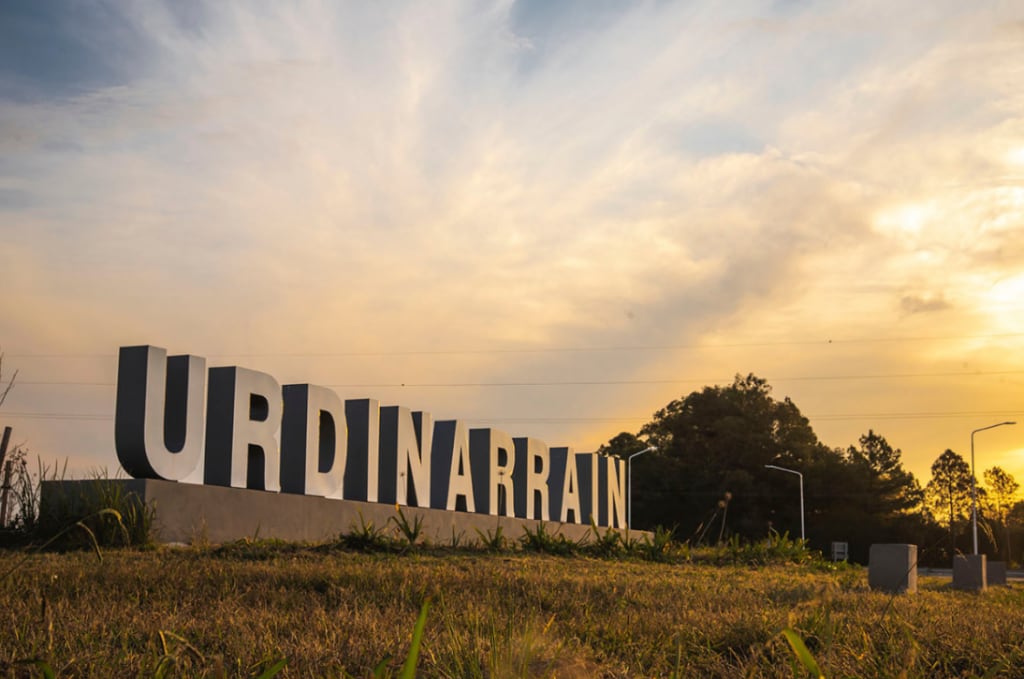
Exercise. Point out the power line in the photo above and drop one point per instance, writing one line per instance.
(20, 383)
(913, 416)
(57, 416)
(566, 349)
(591, 383)
(564, 420)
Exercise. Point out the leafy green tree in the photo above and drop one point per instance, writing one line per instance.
(717, 441)
(622, 445)
(874, 497)
(1000, 495)
(890, 488)
(948, 494)
(707, 477)
(1015, 522)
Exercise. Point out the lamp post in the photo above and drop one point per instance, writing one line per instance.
(793, 471)
(629, 485)
(974, 490)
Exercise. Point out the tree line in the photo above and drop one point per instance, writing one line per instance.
(707, 481)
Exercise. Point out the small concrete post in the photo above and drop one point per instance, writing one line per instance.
(995, 573)
(970, 571)
(893, 568)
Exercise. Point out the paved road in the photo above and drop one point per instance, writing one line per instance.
(1011, 576)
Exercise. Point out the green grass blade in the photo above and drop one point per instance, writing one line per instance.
(274, 669)
(801, 652)
(183, 641)
(57, 536)
(163, 667)
(381, 670)
(408, 670)
(92, 540)
(996, 670)
(108, 511)
(44, 668)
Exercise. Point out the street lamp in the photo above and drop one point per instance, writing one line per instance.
(629, 484)
(974, 491)
(793, 471)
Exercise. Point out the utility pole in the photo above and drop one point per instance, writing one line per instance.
(3, 444)
(803, 537)
(6, 485)
(974, 483)
(629, 486)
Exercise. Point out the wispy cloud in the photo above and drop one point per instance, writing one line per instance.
(228, 177)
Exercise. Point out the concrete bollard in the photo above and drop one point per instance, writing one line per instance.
(996, 573)
(893, 568)
(969, 572)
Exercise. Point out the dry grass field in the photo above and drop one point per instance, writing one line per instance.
(240, 609)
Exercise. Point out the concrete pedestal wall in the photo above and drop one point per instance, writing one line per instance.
(188, 513)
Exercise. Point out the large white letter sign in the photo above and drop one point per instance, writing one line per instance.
(420, 470)
(451, 476)
(242, 421)
(616, 492)
(314, 441)
(564, 485)
(493, 456)
(158, 420)
(229, 426)
(460, 476)
(586, 474)
(363, 467)
(404, 459)
(531, 475)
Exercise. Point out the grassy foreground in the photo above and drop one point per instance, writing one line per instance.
(239, 610)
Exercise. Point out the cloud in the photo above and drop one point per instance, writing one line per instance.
(233, 177)
(914, 304)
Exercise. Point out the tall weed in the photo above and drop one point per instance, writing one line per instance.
(366, 537)
(493, 541)
(607, 544)
(540, 539)
(410, 530)
(84, 503)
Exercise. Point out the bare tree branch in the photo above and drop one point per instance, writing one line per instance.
(10, 382)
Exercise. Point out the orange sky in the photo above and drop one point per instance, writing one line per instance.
(549, 219)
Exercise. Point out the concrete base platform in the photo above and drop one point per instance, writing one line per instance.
(189, 513)
(970, 572)
(893, 568)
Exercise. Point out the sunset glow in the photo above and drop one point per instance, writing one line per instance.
(548, 218)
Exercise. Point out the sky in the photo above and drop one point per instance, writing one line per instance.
(552, 218)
